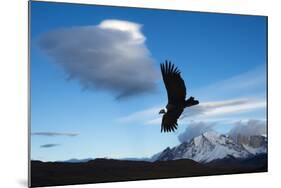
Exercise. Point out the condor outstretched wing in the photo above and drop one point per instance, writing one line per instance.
(176, 92)
(169, 120)
(174, 84)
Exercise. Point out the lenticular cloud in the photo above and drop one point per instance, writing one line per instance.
(111, 56)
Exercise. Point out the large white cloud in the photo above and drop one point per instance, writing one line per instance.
(111, 56)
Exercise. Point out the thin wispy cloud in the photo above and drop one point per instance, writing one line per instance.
(203, 111)
(249, 83)
(140, 115)
(223, 108)
(54, 134)
(111, 56)
(49, 145)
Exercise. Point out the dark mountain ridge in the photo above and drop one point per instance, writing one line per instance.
(111, 170)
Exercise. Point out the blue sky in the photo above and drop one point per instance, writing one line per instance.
(79, 115)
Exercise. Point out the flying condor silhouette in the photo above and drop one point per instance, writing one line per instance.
(176, 92)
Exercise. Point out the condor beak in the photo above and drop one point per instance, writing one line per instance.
(162, 111)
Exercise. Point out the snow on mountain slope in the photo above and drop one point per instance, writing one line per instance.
(255, 151)
(208, 147)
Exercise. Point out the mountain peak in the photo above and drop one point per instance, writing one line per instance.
(211, 134)
(209, 146)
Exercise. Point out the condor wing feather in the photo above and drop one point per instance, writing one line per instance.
(174, 84)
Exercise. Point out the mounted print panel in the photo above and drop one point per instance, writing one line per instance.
(121, 94)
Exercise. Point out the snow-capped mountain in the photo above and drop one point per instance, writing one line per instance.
(208, 147)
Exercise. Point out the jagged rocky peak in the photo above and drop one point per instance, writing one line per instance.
(257, 141)
(254, 141)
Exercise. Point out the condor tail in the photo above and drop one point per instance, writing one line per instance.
(191, 102)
